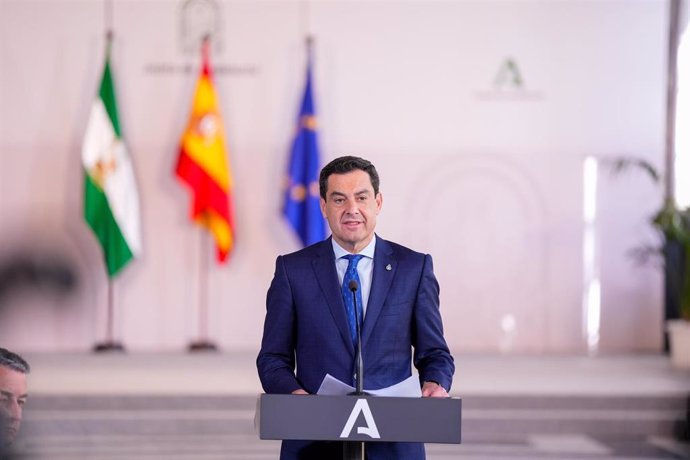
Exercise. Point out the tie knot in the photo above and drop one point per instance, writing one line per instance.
(353, 260)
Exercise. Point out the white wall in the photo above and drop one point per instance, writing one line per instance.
(487, 179)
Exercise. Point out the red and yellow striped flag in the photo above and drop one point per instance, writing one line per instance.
(203, 163)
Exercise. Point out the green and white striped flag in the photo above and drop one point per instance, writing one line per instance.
(111, 200)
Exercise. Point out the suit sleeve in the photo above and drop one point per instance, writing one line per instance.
(276, 360)
(432, 357)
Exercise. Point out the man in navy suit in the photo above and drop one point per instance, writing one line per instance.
(307, 331)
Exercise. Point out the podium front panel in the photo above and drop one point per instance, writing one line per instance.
(359, 418)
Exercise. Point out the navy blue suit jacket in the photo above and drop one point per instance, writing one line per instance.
(306, 332)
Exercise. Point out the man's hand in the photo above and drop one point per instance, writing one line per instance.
(433, 390)
(299, 391)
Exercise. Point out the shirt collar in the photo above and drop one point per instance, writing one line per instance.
(368, 251)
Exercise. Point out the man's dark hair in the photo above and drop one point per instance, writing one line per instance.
(13, 361)
(344, 165)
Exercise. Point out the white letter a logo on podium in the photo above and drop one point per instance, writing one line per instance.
(361, 407)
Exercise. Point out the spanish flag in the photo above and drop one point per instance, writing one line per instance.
(203, 164)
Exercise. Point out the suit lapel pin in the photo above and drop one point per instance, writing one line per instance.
(388, 267)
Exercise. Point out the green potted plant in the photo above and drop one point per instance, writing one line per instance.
(673, 225)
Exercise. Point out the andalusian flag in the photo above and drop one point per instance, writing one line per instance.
(203, 165)
(111, 200)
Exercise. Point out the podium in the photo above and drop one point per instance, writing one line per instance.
(359, 418)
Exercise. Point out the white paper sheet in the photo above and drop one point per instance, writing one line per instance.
(408, 388)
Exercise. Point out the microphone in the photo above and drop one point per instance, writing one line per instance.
(353, 286)
(356, 450)
(359, 362)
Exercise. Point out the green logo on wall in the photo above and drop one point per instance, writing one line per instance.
(508, 85)
(508, 75)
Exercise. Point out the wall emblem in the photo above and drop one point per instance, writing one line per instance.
(509, 84)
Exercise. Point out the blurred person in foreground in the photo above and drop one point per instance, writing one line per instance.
(13, 395)
(308, 329)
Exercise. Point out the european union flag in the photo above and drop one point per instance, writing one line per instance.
(302, 194)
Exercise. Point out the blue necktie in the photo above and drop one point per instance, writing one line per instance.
(351, 274)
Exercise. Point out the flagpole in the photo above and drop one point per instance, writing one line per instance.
(110, 331)
(203, 343)
(108, 15)
(109, 344)
(210, 211)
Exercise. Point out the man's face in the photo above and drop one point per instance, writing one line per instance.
(351, 208)
(12, 398)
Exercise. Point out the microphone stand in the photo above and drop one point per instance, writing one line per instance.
(354, 450)
(359, 362)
